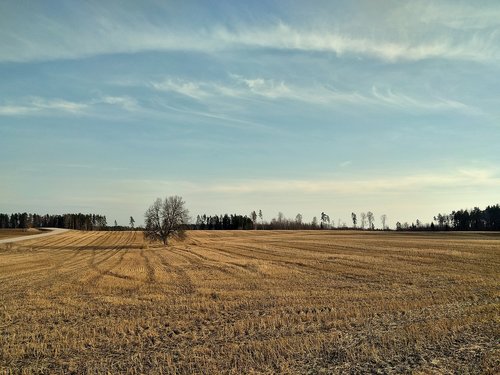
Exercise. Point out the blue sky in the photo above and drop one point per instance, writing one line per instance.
(335, 106)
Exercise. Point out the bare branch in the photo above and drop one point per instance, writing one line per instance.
(166, 218)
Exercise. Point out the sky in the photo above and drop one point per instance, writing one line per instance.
(293, 106)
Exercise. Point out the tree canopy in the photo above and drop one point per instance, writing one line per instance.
(166, 218)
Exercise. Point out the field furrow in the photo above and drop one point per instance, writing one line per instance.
(251, 302)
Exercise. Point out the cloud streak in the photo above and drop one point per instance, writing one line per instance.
(56, 106)
(285, 37)
(37, 105)
(51, 39)
(399, 184)
(188, 88)
(217, 94)
(240, 87)
(460, 178)
(125, 102)
(402, 101)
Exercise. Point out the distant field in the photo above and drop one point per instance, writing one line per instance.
(243, 302)
(9, 233)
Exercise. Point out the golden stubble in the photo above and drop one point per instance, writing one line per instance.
(251, 302)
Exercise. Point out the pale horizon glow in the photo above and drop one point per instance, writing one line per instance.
(324, 106)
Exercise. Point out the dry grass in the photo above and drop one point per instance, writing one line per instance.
(251, 302)
(9, 233)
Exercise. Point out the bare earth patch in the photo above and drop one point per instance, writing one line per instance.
(10, 233)
(251, 302)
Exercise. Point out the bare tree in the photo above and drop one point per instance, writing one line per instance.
(363, 220)
(314, 223)
(354, 219)
(254, 219)
(298, 219)
(383, 219)
(132, 222)
(371, 219)
(166, 218)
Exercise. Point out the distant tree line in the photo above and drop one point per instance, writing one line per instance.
(283, 223)
(68, 221)
(474, 219)
(256, 221)
(463, 220)
(253, 221)
(223, 222)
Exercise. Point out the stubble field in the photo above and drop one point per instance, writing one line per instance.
(251, 302)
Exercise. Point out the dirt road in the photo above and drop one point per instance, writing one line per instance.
(50, 232)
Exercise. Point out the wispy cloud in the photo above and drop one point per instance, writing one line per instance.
(286, 37)
(216, 95)
(13, 110)
(223, 119)
(402, 101)
(240, 87)
(404, 183)
(400, 184)
(38, 105)
(50, 106)
(49, 39)
(125, 102)
(237, 87)
(195, 90)
(268, 88)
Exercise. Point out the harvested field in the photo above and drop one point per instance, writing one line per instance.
(251, 302)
